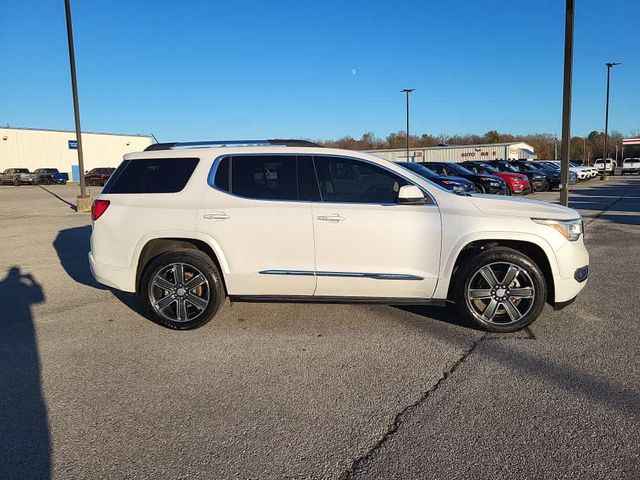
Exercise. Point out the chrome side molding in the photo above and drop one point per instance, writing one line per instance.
(376, 276)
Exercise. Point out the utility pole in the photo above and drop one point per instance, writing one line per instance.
(606, 122)
(585, 160)
(83, 202)
(408, 91)
(616, 154)
(566, 102)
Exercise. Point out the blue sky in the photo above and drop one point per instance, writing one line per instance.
(188, 70)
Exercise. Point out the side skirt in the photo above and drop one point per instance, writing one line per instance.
(338, 300)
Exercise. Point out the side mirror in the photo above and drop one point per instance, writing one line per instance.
(411, 195)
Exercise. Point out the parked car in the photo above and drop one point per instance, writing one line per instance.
(553, 171)
(98, 176)
(580, 175)
(293, 222)
(455, 184)
(537, 178)
(46, 176)
(517, 182)
(610, 167)
(592, 171)
(13, 176)
(630, 165)
(483, 183)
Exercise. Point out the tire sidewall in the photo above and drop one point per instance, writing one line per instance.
(493, 255)
(203, 263)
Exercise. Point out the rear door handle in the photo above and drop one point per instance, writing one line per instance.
(331, 218)
(216, 216)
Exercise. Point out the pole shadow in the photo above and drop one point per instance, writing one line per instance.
(25, 445)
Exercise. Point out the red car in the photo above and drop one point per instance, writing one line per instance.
(98, 176)
(517, 182)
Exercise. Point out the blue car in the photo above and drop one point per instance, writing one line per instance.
(455, 184)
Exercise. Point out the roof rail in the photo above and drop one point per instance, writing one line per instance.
(230, 143)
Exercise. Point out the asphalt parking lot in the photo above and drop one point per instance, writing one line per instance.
(89, 388)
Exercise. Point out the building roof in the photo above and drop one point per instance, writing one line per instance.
(442, 147)
(7, 127)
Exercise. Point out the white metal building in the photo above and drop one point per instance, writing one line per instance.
(460, 153)
(38, 148)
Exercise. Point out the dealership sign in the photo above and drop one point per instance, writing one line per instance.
(480, 154)
(73, 144)
(631, 141)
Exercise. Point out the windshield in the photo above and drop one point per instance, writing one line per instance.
(510, 168)
(488, 167)
(460, 169)
(419, 169)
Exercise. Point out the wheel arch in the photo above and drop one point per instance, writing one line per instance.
(155, 246)
(538, 251)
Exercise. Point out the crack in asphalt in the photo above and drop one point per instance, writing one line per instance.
(397, 420)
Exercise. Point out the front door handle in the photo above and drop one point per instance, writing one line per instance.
(331, 218)
(216, 216)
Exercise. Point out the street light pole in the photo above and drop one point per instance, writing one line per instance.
(584, 151)
(606, 123)
(83, 202)
(407, 91)
(566, 103)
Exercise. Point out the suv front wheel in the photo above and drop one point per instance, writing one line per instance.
(182, 289)
(501, 290)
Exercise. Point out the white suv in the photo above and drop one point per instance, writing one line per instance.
(186, 224)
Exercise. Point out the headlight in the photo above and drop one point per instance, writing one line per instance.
(494, 184)
(570, 229)
(538, 177)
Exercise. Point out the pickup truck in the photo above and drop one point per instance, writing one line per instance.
(98, 176)
(630, 165)
(46, 176)
(13, 176)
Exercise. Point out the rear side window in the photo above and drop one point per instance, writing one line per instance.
(353, 181)
(268, 177)
(151, 175)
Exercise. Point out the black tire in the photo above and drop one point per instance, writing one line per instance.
(497, 258)
(16, 182)
(479, 188)
(47, 181)
(192, 259)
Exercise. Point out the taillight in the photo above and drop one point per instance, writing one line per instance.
(98, 207)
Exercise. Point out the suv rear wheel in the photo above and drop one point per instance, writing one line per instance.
(182, 289)
(501, 290)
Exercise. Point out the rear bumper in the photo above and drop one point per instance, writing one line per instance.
(114, 277)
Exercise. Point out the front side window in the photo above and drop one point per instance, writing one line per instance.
(353, 181)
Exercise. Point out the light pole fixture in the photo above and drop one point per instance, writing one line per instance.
(83, 202)
(566, 102)
(606, 122)
(407, 91)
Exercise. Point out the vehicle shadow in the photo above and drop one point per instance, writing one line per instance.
(447, 314)
(25, 445)
(72, 247)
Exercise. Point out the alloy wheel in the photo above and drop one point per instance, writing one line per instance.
(179, 292)
(500, 293)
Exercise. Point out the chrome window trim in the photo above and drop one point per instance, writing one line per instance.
(375, 276)
(214, 168)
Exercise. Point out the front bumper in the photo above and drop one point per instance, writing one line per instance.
(573, 271)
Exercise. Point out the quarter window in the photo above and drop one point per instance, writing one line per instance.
(151, 175)
(352, 181)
